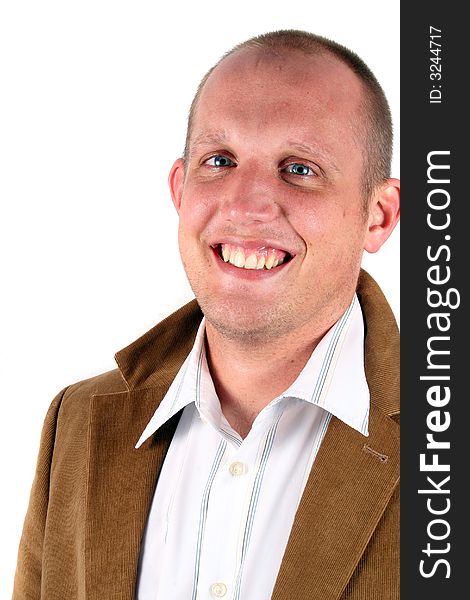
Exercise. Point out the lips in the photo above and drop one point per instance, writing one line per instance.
(251, 256)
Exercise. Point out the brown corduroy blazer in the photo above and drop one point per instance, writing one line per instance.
(92, 489)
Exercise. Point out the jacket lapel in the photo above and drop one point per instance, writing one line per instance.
(346, 494)
(121, 481)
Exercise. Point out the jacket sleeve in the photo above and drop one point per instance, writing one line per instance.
(27, 585)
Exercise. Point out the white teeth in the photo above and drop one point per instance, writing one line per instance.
(251, 262)
(225, 253)
(264, 258)
(261, 262)
(270, 261)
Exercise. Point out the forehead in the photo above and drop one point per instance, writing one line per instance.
(265, 89)
(289, 67)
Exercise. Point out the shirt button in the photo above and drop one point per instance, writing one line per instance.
(237, 468)
(218, 590)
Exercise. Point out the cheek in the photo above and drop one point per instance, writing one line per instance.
(191, 221)
(314, 222)
(196, 210)
(332, 237)
(194, 218)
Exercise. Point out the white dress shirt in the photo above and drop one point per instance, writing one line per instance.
(224, 506)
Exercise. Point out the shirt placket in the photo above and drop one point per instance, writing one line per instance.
(231, 514)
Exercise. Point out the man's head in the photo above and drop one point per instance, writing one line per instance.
(271, 194)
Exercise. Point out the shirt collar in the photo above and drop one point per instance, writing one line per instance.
(333, 378)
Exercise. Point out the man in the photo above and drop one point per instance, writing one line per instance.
(251, 455)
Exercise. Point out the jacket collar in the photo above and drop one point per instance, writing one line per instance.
(382, 346)
(156, 357)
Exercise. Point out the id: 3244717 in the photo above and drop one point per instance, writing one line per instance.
(435, 67)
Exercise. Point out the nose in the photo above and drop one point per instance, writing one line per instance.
(252, 197)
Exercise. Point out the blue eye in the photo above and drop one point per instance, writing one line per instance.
(219, 160)
(299, 169)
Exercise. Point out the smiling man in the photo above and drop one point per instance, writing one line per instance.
(252, 454)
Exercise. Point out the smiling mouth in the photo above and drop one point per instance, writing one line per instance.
(262, 258)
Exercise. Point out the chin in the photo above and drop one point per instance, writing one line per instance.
(243, 332)
(237, 321)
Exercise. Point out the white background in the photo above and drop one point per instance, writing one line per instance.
(93, 104)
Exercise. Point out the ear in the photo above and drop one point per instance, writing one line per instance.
(384, 213)
(176, 182)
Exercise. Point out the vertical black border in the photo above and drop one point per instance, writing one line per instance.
(428, 127)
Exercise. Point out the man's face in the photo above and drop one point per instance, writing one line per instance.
(273, 177)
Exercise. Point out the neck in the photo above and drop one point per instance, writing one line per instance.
(247, 376)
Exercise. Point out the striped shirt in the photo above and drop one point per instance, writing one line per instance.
(224, 506)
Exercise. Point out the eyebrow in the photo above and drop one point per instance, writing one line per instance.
(220, 137)
(314, 151)
(216, 137)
